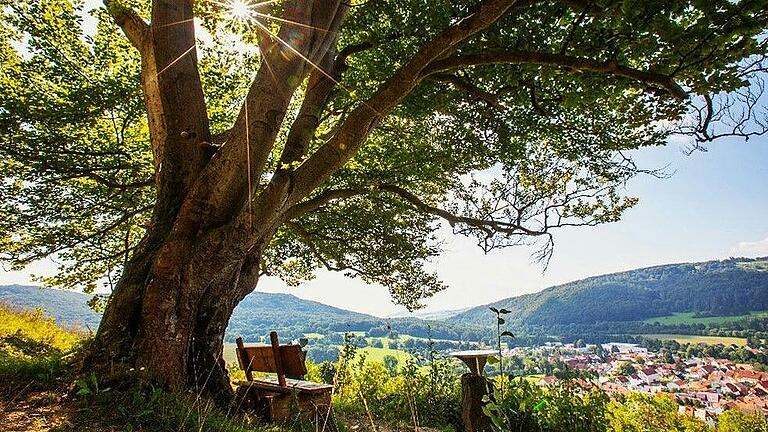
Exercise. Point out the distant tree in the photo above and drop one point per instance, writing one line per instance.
(377, 343)
(390, 362)
(626, 368)
(666, 356)
(579, 343)
(338, 139)
(327, 371)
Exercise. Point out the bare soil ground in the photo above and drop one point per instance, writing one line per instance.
(43, 412)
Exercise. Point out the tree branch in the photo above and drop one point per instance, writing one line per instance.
(223, 187)
(353, 132)
(134, 27)
(320, 200)
(466, 86)
(579, 64)
(488, 226)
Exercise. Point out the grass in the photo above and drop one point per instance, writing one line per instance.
(689, 318)
(377, 354)
(32, 349)
(35, 325)
(696, 339)
(145, 408)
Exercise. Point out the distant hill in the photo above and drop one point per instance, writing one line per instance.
(436, 315)
(67, 307)
(254, 317)
(261, 312)
(713, 288)
(257, 312)
(728, 287)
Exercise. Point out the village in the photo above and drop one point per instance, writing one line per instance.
(703, 387)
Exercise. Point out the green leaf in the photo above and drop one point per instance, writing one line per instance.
(501, 321)
(507, 333)
(493, 309)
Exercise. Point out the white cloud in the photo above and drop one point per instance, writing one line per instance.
(754, 248)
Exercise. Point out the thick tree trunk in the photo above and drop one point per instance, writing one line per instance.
(168, 313)
(201, 255)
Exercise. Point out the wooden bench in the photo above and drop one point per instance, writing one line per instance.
(286, 395)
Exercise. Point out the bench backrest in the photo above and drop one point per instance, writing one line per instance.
(275, 358)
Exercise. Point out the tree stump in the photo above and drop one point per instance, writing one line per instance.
(473, 388)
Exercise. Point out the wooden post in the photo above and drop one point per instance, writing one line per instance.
(473, 388)
(278, 358)
(245, 361)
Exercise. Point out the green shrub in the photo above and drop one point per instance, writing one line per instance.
(737, 421)
(413, 394)
(523, 406)
(637, 412)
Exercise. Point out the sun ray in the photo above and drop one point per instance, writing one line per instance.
(189, 50)
(174, 23)
(296, 23)
(311, 63)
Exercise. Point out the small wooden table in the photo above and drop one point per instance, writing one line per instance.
(474, 387)
(474, 359)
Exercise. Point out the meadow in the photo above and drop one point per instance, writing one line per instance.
(696, 339)
(690, 318)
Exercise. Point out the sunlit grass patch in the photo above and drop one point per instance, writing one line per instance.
(696, 339)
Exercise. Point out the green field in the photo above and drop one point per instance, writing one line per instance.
(230, 356)
(696, 339)
(372, 354)
(377, 354)
(689, 318)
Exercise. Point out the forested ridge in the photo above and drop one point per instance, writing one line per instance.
(727, 287)
(599, 308)
(255, 317)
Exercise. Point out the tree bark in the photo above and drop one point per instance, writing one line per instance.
(169, 321)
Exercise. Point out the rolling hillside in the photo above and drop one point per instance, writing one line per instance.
(67, 307)
(729, 287)
(257, 312)
(680, 292)
(255, 316)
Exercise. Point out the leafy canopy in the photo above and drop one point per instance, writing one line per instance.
(526, 128)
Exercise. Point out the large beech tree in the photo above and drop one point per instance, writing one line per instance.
(177, 151)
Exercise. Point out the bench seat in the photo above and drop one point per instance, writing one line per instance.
(291, 385)
(281, 398)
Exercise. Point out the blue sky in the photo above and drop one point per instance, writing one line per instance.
(715, 205)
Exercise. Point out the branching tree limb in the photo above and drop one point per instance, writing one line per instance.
(579, 64)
